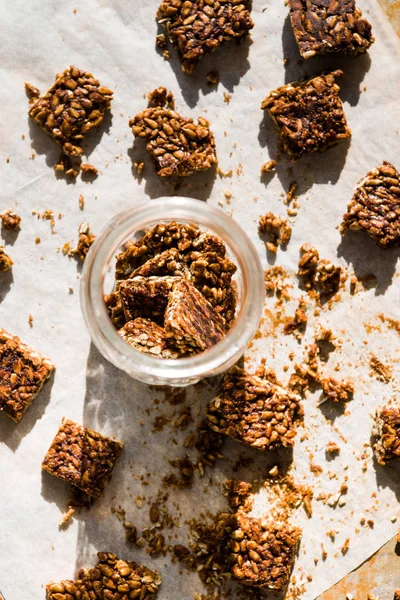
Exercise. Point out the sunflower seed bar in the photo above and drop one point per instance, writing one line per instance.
(83, 457)
(198, 27)
(262, 553)
(23, 372)
(191, 323)
(375, 206)
(309, 115)
(5, 261)
(147, 337)
(186, 238)
(111, 579)
(212, 276)
(146, 297)
(74, 105)
(178, 145)
(323, 27)
(386, 433)
(168, 263)
(254, 411)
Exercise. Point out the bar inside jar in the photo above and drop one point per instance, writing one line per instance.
(174, 294)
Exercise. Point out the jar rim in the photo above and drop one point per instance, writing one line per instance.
(102, 331)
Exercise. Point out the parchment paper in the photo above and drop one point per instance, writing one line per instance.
(115, 40)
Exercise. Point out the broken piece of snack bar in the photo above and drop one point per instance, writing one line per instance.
(111, 578)
(191, 323)
(309, 115)
(185, 237)
(337, 391)
(198, 27)
(147, 337)
(168, 263)
(5, 261)
(74, 105)
(262, 553)
(254, 411)
(82, 457)
(23, 372)
(146, 297)
(375, 206)
(85, 241)
(278, 231)
(324, 27)
(178, 145)
(11, 220)
(212, 276)
(386, 433)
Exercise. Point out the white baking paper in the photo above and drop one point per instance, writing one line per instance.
(115, 39)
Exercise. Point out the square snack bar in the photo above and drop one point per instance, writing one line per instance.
(146, 297)
(322, 26)
(186, 238)
(262, 553)
(111, 579)
(74, 105)
(375, 206)
(147, 337)
(254, 411)
(191, 323)
(178, 145)
(82, 457)
(198, 27)
(23, 372)
(309, 115)
(386, 433)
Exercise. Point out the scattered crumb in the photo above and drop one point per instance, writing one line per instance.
(345, 548)
(378, 369)
(268, 166)
(31, 91)
(332, 448)
(89, 169)
(37, 240)
(81, 201)
(139, 166)
(5, 261)
(227, 97)
(30, 320)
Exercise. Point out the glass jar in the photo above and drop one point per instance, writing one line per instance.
(98, 279)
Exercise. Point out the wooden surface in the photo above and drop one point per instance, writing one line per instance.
(379, 576)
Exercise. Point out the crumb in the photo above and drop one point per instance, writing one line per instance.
(89, 169)
(268, 166)
(213, 78)
(332, 448)
(227, 97)
(345, 548)
(139, 166)
(37, 240)
(381, 371)
(30, 320)
(81, 201)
